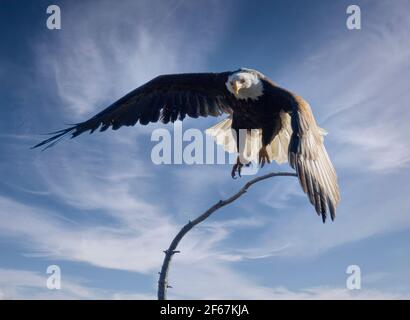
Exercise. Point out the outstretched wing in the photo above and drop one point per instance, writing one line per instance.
(308, 156)
(167, 97)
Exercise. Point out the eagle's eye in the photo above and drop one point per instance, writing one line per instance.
(242, 81)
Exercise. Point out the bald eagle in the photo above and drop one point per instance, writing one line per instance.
(285, 127)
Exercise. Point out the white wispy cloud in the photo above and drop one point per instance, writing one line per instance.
(117, 247)
(99, 59)
(24, 284)
(196, 283)
(28, 284)
(217, 281)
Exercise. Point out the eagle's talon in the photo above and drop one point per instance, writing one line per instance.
(263, 157)
(237, 168)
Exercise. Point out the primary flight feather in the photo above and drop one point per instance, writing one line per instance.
(278, 122)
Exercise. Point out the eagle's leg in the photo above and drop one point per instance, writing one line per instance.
(263, 156)
(237, 168)
(268, 134)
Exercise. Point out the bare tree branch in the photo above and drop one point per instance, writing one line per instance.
(163, 275)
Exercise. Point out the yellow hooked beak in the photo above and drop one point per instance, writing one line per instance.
(236, 86)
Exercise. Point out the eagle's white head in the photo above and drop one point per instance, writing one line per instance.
(245, 84)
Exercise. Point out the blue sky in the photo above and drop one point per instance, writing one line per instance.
(101, 210)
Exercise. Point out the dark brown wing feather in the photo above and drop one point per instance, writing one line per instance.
(166, 98)
(308, 156)
(307, 153)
